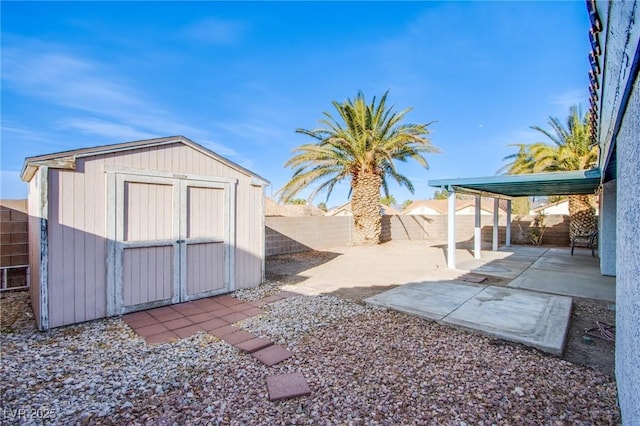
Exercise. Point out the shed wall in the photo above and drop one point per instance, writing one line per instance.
(33, 208)
(77, 225)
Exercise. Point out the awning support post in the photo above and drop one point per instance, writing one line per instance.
(507, 237)
(477, 232)
(451, 230)
(495, 223)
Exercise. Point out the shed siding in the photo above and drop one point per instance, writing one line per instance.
(34, 246)
(77, 229)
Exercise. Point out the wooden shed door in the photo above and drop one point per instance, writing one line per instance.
(147, 245)
(204, 269)
(172, 241)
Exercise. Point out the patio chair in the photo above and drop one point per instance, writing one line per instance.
(589, 241)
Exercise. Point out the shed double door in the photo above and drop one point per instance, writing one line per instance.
(172, 240)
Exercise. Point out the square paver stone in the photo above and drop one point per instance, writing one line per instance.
(214, 324)
(188, 331)
(473, 278)
(227, 300)
(199, 318)
(285, 386)
(208, 305)
(234, 317)
(188, 309)
(165, 313)
(272, 355)
(253, 345)
(136, 316)
(177, 323)
(253, 312)
(164, 337)
(139, 320)
(237, 337)
(223, 331)
(240, 307)
(150, 330)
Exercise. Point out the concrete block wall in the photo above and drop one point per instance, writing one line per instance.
(556, 232)
(14, 240)
(406, 227)
(296, 234)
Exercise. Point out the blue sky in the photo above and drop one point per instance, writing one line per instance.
(240, 77)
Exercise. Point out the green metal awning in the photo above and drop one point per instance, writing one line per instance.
(507, 186)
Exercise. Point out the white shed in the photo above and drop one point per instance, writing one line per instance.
(120, 228)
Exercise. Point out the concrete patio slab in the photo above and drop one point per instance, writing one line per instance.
(532, 251)
(426, 300)
(504, 268)
(589, 285)
(583, 265)
(534, 319)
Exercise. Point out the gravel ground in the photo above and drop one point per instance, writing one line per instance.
(364, 366)
(287, 320)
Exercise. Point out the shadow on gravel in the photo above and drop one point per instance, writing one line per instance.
(358, 294)
(287, 268)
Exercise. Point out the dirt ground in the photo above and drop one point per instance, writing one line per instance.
(597, 353)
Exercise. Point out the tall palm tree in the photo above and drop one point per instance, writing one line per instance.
(569, 148)
(360, 144)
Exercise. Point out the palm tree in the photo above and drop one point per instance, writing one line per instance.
(570, 149)
(360, 144)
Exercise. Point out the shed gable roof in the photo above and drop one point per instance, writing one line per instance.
(67, 159)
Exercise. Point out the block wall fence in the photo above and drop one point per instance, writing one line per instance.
(296, 234)
(14, 241)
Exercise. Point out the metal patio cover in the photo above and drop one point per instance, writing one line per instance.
(535, 184)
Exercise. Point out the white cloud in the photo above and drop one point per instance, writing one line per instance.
(63, 79)
(110, 106)
(15, 131)
(94, 126)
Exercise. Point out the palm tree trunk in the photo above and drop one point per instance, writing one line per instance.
(365, 205)
(582, 215)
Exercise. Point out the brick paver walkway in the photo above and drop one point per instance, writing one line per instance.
(215, 315)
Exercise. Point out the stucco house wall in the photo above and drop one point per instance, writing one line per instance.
(628, 262)
(616, 100)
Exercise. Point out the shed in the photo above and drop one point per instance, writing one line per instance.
(126, 227)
